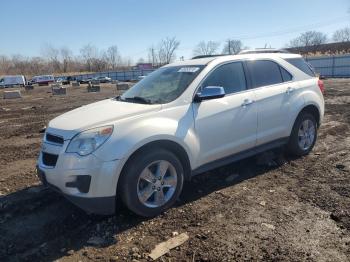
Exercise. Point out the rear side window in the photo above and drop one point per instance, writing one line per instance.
(264, 72)
(285, 75)
(229, 76)
(302, 65)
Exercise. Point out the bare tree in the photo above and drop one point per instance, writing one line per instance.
(37, 65)
(5, 64)
(166, 50)
(66, 55)
(342, 35)
(232, 47)
(112, 56)
(206, 48)
(89, 53)
(52, 54)
(19, 63)
(309, 38)
(98, 64)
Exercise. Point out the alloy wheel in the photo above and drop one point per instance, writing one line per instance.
(306, 134)
(157, 184)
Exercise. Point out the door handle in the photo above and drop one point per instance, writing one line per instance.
(247, 102)
(290, 90)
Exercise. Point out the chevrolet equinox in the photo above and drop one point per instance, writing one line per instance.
(179, 121)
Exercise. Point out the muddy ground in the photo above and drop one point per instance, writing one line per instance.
(257, 209)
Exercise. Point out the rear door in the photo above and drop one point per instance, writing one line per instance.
(227, 125)
(273, 87)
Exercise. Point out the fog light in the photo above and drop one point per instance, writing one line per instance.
(82, 183)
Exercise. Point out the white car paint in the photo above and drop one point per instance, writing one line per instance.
(207, 131)
(15, 80)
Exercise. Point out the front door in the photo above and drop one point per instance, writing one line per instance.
(227, 125)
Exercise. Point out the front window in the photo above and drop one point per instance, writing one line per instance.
(229, 76)
(163, 85)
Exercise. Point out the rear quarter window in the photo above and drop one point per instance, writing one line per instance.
(301, 65)
(286, 75)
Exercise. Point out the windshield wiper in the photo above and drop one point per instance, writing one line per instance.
(136, 99)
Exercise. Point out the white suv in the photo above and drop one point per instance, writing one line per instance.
(181, 120)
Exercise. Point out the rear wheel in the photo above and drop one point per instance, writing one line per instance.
(152, 182)
(303, 136)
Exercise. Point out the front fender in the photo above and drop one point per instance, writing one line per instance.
(129, 136)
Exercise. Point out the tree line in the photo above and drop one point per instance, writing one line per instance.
(306, 39)
(54, 60)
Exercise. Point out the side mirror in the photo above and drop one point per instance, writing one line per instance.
(209, 92)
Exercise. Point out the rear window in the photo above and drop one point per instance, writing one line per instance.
(264, 72)
(301, 65)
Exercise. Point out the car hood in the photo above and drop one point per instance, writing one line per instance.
(94, 115)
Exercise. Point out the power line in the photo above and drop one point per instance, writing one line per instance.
(273, 33)
(294, 29)
(284, 31)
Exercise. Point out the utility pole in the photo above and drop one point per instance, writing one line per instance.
(152, 56)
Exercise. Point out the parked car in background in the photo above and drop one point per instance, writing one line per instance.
(103, 79)
(139, 78)
(181, 120)
(64, 80)
(85, 80)
(43, 79)
(11, 81)
(30, 82)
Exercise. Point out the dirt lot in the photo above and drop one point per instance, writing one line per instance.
(256, 209)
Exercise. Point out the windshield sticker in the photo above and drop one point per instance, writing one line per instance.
(188, 69)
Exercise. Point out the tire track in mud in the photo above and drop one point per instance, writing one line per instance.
(35, 217)
(10, 153)
(305, 199)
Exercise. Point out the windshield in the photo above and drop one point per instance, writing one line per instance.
(163, 85)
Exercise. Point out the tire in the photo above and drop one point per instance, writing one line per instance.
(134, 185)
(298, 137)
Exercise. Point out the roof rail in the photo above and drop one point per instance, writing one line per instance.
(262, 50)
(205, 56)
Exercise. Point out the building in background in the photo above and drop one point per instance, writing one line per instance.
(340, 48)
(143, 66)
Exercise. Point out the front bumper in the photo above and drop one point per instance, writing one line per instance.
(95, 205)
(95, 194)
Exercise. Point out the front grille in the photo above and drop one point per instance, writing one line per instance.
(49, 159)
(54, 139)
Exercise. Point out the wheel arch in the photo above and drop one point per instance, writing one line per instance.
(313, 110)
(169, 145)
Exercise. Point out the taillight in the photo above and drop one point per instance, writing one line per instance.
(321, 85)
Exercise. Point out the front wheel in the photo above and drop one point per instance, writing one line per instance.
(152, 182)
(303, 136)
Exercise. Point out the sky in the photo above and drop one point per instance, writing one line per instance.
(134, 26)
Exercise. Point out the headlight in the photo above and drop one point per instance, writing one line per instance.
(88, 141)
